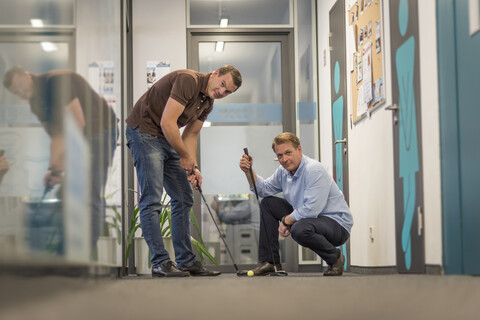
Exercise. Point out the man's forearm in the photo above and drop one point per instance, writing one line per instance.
(57, 153)
(190, 137)
(175, 140)
(191, 146)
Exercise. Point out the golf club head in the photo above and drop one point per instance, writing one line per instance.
(242, 273)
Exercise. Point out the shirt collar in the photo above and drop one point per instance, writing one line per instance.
(300, 169)
(203, 82)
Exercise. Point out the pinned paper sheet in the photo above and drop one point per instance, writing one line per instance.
(156, 70)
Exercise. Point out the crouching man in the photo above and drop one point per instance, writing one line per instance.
(313, 210)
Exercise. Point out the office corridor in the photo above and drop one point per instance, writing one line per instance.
(298, 296)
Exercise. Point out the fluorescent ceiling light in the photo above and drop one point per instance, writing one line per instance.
(219, 46)
(49, 46)
(223, 23)
(36, 23)
(207, 124)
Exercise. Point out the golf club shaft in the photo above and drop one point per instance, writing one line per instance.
(37, 206)
(216, 225)
(261, 214)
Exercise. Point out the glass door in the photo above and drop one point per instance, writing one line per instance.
(249, 118)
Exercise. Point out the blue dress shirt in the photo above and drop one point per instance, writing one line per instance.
(311, 191)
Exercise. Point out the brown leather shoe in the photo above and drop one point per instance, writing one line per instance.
(336, 269)
(266, 268)
(168, 269)
(198, 270)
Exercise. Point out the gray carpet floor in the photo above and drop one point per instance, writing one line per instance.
(298, 296)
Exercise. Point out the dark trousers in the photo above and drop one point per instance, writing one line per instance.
(322, 235)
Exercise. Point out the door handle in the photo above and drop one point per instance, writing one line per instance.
(341, 141)
(394, 107)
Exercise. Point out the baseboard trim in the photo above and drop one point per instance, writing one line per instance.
(374, 270)
(429, 269)
(434, 269)
(308, 268)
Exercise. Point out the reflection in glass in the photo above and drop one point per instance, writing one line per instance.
(29, 222)
(81, 127)
(62, 132)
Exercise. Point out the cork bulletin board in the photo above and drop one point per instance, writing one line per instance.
(366, 66)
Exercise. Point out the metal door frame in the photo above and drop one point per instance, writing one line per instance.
(342, 92)
(285, 37)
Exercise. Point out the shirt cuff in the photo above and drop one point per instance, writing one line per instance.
(295, 216)
(258, 184)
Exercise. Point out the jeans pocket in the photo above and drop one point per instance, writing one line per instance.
(147, 136)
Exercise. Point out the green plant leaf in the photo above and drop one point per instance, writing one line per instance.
(201, 250)
(193, 220)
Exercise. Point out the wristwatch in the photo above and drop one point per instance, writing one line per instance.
(284, 223)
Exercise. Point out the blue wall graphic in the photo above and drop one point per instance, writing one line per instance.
(408, 149)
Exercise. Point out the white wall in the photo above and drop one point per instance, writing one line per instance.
(159, 33)
(370, 165)
(431, 131)
(371, 149)
(372, 190)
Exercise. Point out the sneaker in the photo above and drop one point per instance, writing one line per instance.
(266, 268)
(336, 269)
(197, 269)
(168, 269)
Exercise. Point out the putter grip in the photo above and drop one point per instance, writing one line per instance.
(245, 150)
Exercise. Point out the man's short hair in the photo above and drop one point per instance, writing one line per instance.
(284, 138)
(8, 77)
(236, 76)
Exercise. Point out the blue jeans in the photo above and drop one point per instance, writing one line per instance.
(102, 149)
(157, 165)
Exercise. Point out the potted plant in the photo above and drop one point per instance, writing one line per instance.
(165, 218)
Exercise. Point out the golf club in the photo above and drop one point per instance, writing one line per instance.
(277, 272)
(35, 211)
(45, 191)
(219, 232)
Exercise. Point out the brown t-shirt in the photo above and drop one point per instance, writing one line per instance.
(188, 87)
(54, 90)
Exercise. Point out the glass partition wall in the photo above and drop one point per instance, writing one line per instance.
(59, 103)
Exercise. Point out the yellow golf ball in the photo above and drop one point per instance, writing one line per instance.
(250, 273)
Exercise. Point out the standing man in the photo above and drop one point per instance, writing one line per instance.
(313, 209)
(165, 158)
(50, 95)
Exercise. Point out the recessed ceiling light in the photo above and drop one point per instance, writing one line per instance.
(223, 23)
(49, 46)
(36, 23)
(219, 46)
